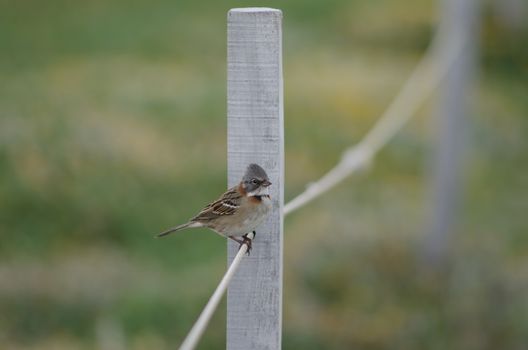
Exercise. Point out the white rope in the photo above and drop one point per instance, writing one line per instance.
(197, 330)
(424, 79)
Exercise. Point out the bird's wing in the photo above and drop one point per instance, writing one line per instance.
(225, 205)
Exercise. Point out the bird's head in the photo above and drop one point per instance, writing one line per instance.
(256, 181)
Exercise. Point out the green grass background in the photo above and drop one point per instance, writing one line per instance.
(113, 127)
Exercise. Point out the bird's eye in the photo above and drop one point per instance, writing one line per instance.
(254, 181)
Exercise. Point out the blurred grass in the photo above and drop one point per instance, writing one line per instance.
(112, 128)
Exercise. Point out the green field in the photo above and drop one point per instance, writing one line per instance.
(113, 127)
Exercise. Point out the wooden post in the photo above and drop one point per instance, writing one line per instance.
(256, 135)
(459, 24)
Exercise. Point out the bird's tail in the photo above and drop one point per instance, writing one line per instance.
(177, 228)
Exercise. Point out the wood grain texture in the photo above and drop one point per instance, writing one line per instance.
(256, 135)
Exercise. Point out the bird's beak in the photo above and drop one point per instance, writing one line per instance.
(266, 183)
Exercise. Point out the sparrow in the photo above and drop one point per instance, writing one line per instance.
(238, 211)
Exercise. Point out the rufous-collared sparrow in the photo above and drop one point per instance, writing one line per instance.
(238, 211)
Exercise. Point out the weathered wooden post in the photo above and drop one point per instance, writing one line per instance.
(459, 26)
(256, 135)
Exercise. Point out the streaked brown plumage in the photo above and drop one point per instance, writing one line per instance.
(238, 211)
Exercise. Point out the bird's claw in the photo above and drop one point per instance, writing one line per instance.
(247, 241)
